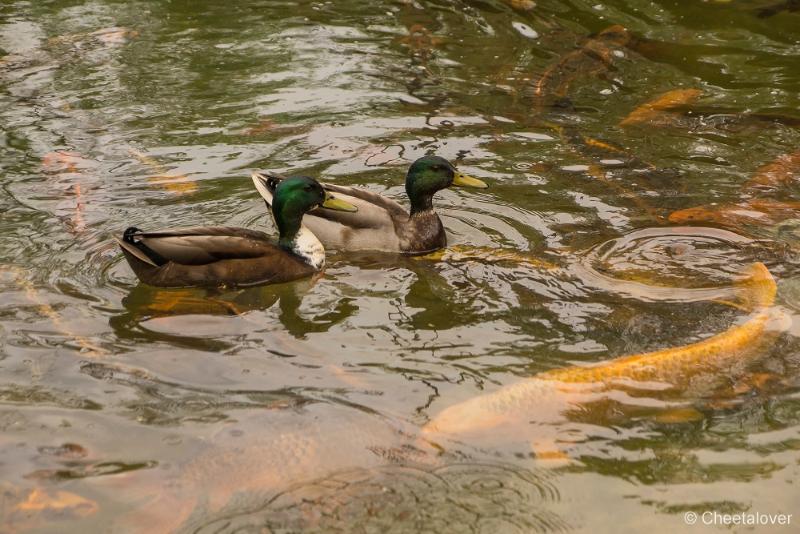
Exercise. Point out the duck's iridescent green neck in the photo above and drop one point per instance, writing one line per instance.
(425, 177)
(288, 210)
(421, 203)
(288, 219)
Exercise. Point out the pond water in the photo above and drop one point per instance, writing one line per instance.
(299, 407)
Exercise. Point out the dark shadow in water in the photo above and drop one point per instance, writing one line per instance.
(145, 302)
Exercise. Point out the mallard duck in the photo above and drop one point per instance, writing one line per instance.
(224, 255)
(381, 223)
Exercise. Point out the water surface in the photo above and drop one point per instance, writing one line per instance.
(295, 407)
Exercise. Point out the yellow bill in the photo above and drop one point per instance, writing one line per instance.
(464, 180)
(333, 203)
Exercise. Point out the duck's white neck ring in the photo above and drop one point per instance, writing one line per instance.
(307, 246)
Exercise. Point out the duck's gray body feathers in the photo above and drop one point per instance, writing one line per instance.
(380, 223)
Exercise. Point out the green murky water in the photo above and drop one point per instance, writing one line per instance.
(298, 407)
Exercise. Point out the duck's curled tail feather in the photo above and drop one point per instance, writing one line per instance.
(138, 249)
(266, 182)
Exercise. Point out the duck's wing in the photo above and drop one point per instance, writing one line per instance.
(370, 205)
(200, 245)
(374, 211)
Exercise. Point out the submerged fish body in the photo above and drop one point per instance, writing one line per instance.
(781, 172)
(757, 212)
(773, 9)
(594, 57)
(656, 111)
(534, 405)
(255, 458)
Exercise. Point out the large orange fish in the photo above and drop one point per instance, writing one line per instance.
(548, 396)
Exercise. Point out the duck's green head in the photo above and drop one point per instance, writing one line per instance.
(430, 174)
(296, 196)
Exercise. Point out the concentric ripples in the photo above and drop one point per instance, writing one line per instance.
(458, 497)
(653, 263)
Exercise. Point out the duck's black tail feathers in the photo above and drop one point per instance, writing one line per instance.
(138, 249)
(266, 182)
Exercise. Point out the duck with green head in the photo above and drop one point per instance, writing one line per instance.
(381, 223)
(224, 255)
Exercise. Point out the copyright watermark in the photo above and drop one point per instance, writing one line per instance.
(742, 518)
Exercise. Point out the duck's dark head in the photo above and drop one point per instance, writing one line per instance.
(430, 174)
(296, 196)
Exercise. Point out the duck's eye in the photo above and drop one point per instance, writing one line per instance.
(309, 188)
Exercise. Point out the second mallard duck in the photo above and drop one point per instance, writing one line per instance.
(223, 255)
(381, 223)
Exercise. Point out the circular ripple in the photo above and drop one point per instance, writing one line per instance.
(522, 166)
(678, 264)
(453, 498)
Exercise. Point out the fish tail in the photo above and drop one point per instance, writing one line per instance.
(757, 288)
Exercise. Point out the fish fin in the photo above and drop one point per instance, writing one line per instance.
(732, 304)
(678, 415)
(547, 451)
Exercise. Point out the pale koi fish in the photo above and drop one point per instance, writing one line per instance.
(548, 396)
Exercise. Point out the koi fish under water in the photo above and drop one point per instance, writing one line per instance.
(773, 9)
(657, 110)
(178, 184)
(263, 451)
(593, 58)
(529, 409)
(757, 212)
(781, 172)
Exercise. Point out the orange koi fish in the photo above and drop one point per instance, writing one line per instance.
(755, 212)
(87, 347)
(778, 173)
(653, 111)
(591, 59)
(39, 507)
(534, 398)
(521, 5)
(420, 39)
(69, 166)
(178, 184)
(462, 253)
